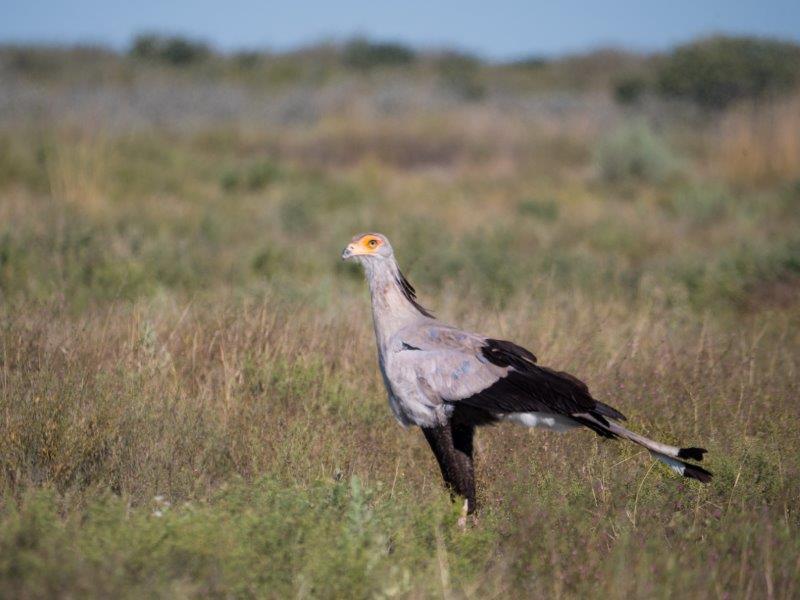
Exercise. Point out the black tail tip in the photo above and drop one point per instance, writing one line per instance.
(698, 473)
(692, 453)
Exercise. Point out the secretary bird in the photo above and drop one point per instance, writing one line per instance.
(448, 381)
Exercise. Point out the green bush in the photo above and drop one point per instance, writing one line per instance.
(248, 59)
(544, 209)
(258, 176)
(739, 271)
(297, 215)
(33, 61)
(635, 152)
(363, 54)
(720, 70)
(174, 50)
(700, 204)
(531, 62)
(253, 178)
(629, 89)
(460, 73)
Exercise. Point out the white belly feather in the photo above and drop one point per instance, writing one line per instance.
(544, 420)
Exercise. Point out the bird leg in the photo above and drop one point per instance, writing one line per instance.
(452, 446)
(462, 443)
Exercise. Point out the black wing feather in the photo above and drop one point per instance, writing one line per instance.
(529, 387)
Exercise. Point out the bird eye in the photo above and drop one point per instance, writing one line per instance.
(372, 243)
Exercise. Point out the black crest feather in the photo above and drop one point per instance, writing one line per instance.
(411, 294)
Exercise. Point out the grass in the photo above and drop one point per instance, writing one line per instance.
(190, 404)
(760, 144)
(268, 439)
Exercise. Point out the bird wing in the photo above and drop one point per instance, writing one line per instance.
(497, 376)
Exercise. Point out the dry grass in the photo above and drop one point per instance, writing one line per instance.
(758, 144)
(176, 400)
(189, 400)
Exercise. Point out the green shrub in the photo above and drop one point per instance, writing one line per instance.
(363, 54)
(495, 263)
(546, 209)
(629, 89)
(33, 61)
(460, 73)
(229, 181)
(531, 62)
(739, 270)
(720, 70)
(248, 59)
(269, 261)
(700, 204)
(260, 175)
(635, 152)
(174, 50)
(297, 215)
(253, 178)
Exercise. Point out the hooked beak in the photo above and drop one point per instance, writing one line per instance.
(348, 252)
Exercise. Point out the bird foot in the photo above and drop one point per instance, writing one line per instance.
(466, 522)
(466, 519)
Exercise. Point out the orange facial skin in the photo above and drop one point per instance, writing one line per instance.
(366, 244)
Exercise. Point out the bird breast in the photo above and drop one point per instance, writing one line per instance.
(410, 401)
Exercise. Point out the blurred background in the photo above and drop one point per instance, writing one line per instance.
(190, 402)
(648, 148)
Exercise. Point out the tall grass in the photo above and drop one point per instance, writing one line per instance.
(190, 404)
(245, 448)
(760, 143)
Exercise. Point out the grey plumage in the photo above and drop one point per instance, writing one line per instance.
(448, 381)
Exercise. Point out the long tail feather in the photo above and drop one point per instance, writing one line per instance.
(669, 455)
(684, 468)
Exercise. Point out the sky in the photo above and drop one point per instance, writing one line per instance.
(497, 29)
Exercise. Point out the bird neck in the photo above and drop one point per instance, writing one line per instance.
(393, 301)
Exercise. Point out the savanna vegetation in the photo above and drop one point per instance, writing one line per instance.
(190, 404)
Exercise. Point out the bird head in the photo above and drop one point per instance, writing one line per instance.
(367, 246)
